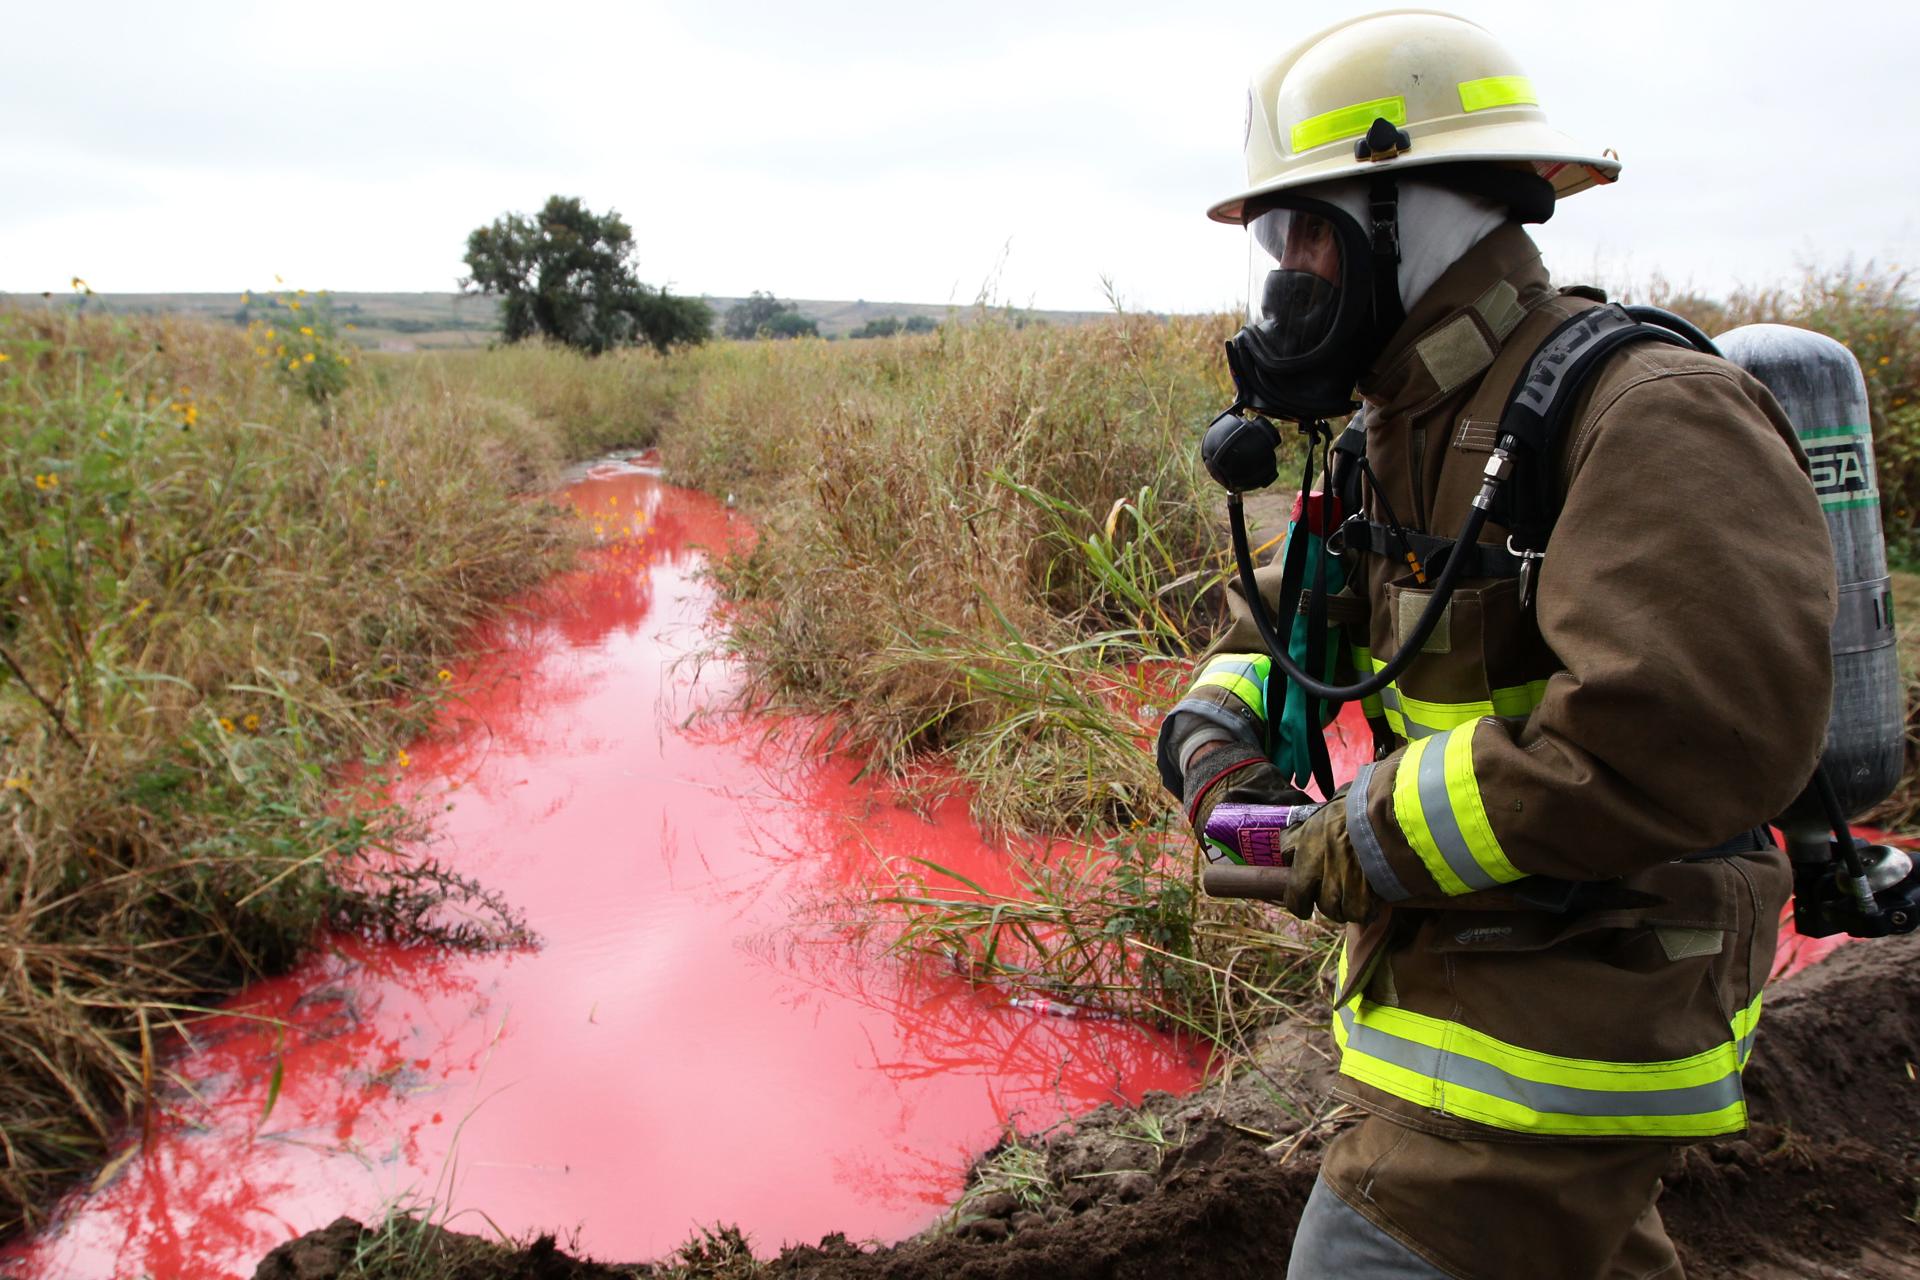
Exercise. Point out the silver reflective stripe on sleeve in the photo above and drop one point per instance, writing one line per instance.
(1438, 807)
(1373, 859)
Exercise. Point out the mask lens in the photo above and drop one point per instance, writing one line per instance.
(1294, 273)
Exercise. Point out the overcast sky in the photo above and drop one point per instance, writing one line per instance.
(888, 150)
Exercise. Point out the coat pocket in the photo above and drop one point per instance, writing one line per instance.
(1482, 658)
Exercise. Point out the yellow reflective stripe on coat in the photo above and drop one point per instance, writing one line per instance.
(1454, 1069)
(1371, 706)
(1241, 674)
(1412, 717)
(1497, 91)
(1436, 801)
(1347, 122)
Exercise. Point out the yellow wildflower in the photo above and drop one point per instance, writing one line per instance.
(444, 676)
(293, 306)
(293, 365)
(1886, 359)
(4, 357)
(259, 351)
(269, 335)
(306, 331)
(252, 723)
(46, 480)
(187, 411)
(381, 483)
(226, 725)
(301, 292)
(402, 759)
(307, 358)
(344, 360)
(20, 783)
(79, 285)
(280, 350)
(245, 299)
(352, 325)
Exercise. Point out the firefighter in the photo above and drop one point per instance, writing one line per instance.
(1615, 718)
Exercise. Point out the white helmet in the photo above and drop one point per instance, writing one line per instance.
(1448, 92)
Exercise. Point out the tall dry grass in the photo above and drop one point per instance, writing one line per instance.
(228, 587)
(986, 542)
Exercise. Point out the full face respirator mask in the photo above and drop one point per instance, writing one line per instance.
(1323, 298)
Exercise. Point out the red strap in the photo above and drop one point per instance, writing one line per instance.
(1214, 781)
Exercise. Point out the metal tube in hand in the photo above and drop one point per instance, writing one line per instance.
(1229, 880)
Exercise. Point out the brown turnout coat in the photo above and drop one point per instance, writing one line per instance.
(1674, 680)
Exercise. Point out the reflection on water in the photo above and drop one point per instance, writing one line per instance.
(677, 1050)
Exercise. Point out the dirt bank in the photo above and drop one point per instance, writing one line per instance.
(1210, 1185)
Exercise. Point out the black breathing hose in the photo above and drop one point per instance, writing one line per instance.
(1429, 617)
(1854, 868)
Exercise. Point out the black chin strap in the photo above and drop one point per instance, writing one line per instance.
(1383, 204)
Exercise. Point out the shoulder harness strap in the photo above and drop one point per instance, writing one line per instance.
(1543, 401)
(1535, 414)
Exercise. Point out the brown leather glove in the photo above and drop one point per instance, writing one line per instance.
(1325, 873)
(1232, 771)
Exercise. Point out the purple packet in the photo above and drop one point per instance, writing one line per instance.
(1250, 833)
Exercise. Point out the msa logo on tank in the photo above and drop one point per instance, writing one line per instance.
(1842, 468)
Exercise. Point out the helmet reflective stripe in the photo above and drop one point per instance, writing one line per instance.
(1436, 800)
(1342, 123)
(1497, 91)
(1454, 1069)
(1347, 122)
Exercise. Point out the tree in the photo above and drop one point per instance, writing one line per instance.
(566, 273)
(887, 326)
(765, 316)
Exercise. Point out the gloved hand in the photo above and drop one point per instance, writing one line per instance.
(1325, 872)
(1232, 771)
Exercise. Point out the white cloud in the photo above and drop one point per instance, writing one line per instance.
(873, 150)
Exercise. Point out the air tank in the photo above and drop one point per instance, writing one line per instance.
(1819, 384)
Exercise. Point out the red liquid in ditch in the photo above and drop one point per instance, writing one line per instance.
(682, 1048)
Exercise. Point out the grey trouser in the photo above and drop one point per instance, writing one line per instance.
(1333, 1240)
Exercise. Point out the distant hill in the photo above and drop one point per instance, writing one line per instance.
(838, 319)
(423, 321)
